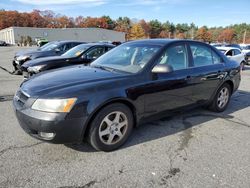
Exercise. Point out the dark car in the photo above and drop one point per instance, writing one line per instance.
(3, 43)
(133, 83)
(234, 45)
(247, 58)
(54, 48)
(81, 54)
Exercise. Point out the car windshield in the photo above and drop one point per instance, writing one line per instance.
(130, 58)
(49, 46)
(76, 51)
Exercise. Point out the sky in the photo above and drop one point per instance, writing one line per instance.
(200, 12)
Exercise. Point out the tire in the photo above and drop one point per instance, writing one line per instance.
(17, 72)
(242, 65)
(220, 103)
(111, 127)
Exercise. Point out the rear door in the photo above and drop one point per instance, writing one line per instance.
(207, 71)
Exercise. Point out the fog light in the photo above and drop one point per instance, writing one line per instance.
(47, 135)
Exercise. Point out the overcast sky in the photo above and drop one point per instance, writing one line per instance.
(200, 12)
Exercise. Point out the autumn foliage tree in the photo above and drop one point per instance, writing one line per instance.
(151, 29)
(204, 35)
(227, 35)
(136, 32)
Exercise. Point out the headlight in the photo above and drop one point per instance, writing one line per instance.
(35, 69)
(22, 57)
(54, 105)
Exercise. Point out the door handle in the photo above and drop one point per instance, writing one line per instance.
(67, 60)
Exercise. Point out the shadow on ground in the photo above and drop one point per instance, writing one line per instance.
(180, 122)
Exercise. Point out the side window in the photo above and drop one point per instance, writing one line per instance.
(108, 48)
(216, 58)
(96, 52)
(64, 47)
(236, 52)
(176, 56)
(229, 53)
(202, 55)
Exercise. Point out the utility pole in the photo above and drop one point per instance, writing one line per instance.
(244, 36)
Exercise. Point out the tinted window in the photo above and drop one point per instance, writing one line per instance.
(216, 58)
(65, 47)
(176, 56)
(229, 53)
(236, 52)
(96, 52)
(202, 55)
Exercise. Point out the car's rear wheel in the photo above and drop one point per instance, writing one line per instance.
(111, 127)
(221, 99)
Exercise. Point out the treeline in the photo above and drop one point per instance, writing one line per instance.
(134, 29)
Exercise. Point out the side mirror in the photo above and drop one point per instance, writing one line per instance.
(162, 68)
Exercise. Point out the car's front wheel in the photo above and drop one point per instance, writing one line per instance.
(111, 127)
(221, 99)
(242, 65)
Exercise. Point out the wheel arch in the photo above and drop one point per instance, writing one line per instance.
(123, 101)
(231, 84)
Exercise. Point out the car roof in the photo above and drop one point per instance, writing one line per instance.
(162, 42)
(227, 48)
(67, 41)
(96, 44)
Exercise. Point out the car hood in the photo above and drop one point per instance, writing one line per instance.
(34, 53)
(41, 61)
(44, 83)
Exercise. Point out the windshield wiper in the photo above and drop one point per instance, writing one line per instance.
(104, 68)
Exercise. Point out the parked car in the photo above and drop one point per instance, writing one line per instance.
(245, 48)
(40, 42)
(247, 58)
(246, 51)
(54, 48)
(3, 43)
(234, 46)
(81, 54)
(234, 54)
(133, 83)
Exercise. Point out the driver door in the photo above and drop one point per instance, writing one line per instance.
(167, 91)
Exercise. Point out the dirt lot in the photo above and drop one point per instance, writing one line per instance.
(191, 149)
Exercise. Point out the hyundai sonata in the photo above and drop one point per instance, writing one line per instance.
(126, 86)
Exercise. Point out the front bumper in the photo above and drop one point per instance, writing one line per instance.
(65, 129)
(18, 64)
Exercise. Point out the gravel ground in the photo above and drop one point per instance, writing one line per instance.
(192, 149)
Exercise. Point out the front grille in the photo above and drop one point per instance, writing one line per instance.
(21, 98)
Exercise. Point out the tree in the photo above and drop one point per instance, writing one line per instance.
(110, 22)
(123, 25)
(164, 34)
(146, 27)
(204, 35)
(227, 35)
(136, 32)
(155, 28)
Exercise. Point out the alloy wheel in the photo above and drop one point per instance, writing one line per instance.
(113, 128)
(223, 97)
